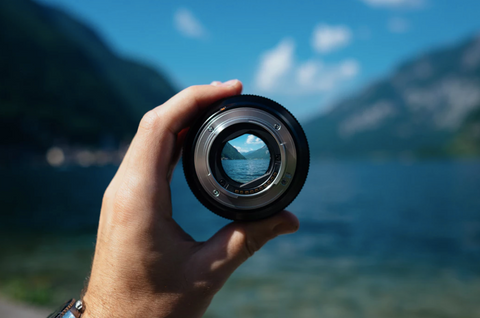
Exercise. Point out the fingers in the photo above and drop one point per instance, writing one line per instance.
(177, 153)
(236, 242)
(177, 113)
(153, 148)
(142, 181)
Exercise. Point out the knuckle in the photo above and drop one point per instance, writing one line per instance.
(108, 195)
(149, 120)
(251, 245)
(206, 287)
(192, 91)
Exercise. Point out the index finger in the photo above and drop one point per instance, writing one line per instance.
(153, 147)
(177, 113)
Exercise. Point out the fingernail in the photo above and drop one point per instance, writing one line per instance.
(285, 228)
(215, 83)
(229, 83)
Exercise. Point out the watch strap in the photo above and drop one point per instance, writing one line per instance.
(70, 309)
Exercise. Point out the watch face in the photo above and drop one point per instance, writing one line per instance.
(60, 312)
(69, 314)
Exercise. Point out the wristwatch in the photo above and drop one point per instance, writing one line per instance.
(71, 309)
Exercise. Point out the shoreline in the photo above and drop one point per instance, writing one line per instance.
(13, 309)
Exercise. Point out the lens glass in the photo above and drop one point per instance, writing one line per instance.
(245, 158)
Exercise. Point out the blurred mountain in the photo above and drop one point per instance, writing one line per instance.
(261, 153)
(429, 107)
(60, 83)
(230, 153)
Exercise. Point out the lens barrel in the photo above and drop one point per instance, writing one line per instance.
(213, 174)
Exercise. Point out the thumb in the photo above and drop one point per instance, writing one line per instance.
(236, 242)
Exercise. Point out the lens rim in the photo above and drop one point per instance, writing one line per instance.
(204, 151)
(285, 121)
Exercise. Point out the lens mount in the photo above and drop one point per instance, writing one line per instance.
(265, 195)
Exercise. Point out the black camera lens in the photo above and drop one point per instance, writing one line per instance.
(246, 158)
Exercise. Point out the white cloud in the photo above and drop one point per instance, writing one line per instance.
(396, 3)
(328, 38)
(188, 25)
(398, 25)
(243, 149)
(313, 76)
(280, 73)
(252, 140)
(274, 64)
(240, 149)
(307, 71)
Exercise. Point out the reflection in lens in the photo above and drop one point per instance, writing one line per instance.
(245, 158)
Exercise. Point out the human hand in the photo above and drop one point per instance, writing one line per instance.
(145, 265)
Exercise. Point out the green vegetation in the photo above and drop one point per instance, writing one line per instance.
(339, 289)
(45, 272)
(230, 153)
(427, 108)
(60, 84)
(467, 141)
(54, 267)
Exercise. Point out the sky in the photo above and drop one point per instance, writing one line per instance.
(246, 143)
(306, 54)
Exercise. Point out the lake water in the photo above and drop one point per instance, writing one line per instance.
(375, 240)
(244, 171)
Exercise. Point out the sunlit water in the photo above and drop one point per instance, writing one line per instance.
(244, 171)
(376, 240)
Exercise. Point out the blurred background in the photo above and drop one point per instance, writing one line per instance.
(388, 92)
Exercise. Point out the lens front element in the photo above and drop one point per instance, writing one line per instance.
(245, 158)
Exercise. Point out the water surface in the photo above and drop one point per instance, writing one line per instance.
(376, 240)
(244, 171)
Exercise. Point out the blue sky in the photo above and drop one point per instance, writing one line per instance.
(303, 54)
(247, 143)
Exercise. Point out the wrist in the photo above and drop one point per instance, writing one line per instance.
(159, 306)
(97, 306)
(103, 305)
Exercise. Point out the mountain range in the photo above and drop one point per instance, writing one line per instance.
(261, 153)
(61, 84)
(231, 153)
(428, 107)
